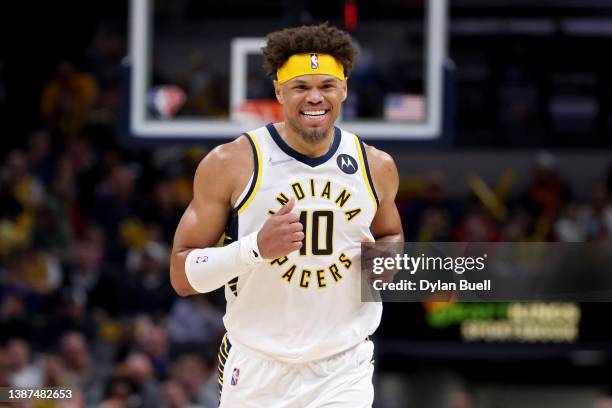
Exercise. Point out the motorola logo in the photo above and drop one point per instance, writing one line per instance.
(346, 163)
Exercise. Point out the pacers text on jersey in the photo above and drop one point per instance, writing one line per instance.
(319, 227)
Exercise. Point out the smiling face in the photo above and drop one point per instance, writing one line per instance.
(311, 104)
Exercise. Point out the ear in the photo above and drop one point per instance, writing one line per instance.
(277, 92)
(344, 89)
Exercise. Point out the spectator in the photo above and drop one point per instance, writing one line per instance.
(14, 320)
(70, 314)
(68, 98)
(26, 188)
(546, 192)
(173, 395)
(426, 216)
(116, 203)
(198, 380)
(77, 400)
(147, 290)
(80, 370)
(24, 373)
(434, 225)
(603, 402)
(140, 371)
(91, 279)
(154, 343)
(571, 226)
(599, 223)
(39, 271)
(4, 367)
(54, 371)
(195, 325)
(519, 227)
(476, 227)
(120, 393)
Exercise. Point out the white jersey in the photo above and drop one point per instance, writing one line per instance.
(307, 305)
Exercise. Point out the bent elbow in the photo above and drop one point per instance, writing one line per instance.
(179, 283)
(182, 292)
(181, 288)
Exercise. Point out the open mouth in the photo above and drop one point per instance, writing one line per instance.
(314, 114)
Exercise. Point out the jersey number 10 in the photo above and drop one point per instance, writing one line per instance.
(321, 225)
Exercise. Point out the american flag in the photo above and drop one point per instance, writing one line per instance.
(404, 107)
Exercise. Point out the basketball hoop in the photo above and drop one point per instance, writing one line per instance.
(258, 112)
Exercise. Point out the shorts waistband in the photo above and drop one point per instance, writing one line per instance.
(247, 350)
(233, 343)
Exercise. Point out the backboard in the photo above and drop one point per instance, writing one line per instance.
(195, 71)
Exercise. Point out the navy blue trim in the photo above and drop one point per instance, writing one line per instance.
(233, 285)
(310, 161)
(255, 173)
(225, 347)
(231, 235)
(367, 168)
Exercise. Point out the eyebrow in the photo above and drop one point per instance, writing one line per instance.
(325, 81)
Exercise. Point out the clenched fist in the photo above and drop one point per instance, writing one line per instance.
(281, 234)
(385, 250)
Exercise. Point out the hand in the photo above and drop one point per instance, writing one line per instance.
(281, 234)
(380, 251)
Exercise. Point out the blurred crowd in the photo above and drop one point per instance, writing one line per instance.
(85, 232)
(85, 299)
(544, 209)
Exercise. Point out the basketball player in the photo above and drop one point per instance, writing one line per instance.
(295, 199)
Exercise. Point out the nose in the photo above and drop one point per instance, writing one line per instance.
(314, 96)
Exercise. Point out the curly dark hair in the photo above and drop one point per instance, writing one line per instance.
(323, 38)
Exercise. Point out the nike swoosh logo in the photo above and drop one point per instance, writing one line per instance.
(274, 163)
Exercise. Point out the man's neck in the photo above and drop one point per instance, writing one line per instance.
(297, 143)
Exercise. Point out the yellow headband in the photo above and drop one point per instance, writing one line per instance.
(309, 64)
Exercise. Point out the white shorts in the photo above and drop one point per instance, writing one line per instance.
(248, 380)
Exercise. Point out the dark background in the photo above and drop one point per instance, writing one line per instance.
(533, 121)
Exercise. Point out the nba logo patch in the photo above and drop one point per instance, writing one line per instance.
(166, 100)
(314, 61)
(235, 374)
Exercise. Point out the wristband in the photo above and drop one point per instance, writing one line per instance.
(249, 249)
(208, 269)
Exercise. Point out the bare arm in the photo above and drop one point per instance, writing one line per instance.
(387, 224)
(217, 184)
(215, 189)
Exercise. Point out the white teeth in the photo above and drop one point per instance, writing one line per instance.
(314, 113)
